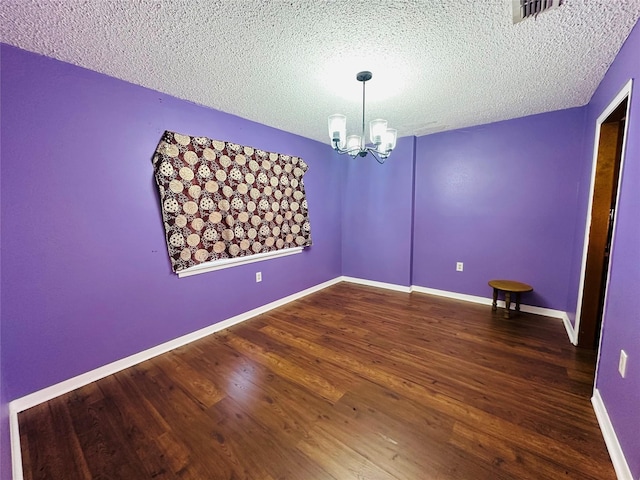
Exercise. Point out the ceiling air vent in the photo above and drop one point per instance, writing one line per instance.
(531, 8)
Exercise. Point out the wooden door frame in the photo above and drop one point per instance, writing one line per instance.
(624, 93)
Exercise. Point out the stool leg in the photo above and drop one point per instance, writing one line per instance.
(518, 302)
(507, 303)
(494, 305)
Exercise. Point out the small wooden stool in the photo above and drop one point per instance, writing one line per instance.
(508, 287)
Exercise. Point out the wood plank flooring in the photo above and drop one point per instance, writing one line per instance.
(351, 382)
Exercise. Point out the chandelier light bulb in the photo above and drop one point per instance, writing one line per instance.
(338, 129)
(354, 145)
(377, 129)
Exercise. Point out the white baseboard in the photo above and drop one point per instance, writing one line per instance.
(67, 386)
(455, 295)
(610, 439)
(373, 283)
(547, 312)
(36, 398)
(571, 332)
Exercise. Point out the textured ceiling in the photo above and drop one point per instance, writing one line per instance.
(437, 64)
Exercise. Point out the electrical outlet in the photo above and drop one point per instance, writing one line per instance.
(258, 276)
(622, 366)
(459, 267)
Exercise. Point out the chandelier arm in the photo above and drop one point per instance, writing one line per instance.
(362, 152)
(375, 154)
(338, 149)
(344, 151)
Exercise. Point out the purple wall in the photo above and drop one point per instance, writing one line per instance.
(502, 199)
(621, 320)
(85, 260)
(376, 218)
(85, 276)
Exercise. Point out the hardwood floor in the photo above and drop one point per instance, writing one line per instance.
(351, 382)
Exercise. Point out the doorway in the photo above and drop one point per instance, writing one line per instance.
(608, 158)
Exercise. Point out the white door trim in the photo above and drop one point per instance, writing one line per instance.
(623, 94)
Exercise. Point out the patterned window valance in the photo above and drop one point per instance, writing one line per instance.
(221, 200)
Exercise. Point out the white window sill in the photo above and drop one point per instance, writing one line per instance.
(234, 262)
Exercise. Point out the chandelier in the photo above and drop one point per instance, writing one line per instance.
(383, 139)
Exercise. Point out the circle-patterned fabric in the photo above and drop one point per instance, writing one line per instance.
(221, 200)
